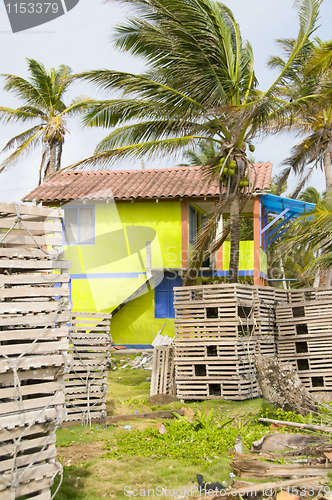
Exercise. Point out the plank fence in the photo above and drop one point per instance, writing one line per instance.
(86, 383)
(34, 312)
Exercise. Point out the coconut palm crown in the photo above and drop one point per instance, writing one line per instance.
(200, 85)
(43, 97)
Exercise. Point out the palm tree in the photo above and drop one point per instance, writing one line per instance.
(43, 98)
(200, 85)
(310, 195)
(202, 154)
(314, 230)
(310, 81)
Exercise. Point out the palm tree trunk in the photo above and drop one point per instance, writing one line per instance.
(51, 168)
(316, 280)
(58, 160)
(324, 275)
(327, 171)
(235, 238)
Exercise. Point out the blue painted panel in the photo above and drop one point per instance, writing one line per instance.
(161, 304)
(164, 296)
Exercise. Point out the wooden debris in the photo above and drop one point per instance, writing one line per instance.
(282, 387)
(315, 484)
(248, 466)
(310, 427)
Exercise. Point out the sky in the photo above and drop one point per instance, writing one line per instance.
(81, 39)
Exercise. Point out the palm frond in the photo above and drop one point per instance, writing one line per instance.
(153, 130)
(23, 114)
(308, 12)
(153, 149)
(24, 148)
(302, 183)
(110, 113)
(20, 139)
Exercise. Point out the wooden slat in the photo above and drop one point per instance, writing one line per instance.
(10, 208)
(32, 226)
(42, 278)
(34, 264)
(34, 291)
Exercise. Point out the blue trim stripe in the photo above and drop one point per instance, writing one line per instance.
(135, 346)
(263, 275)
(225, 273)
(100, 276)
(105, 276)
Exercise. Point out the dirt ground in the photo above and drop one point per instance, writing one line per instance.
(80, 452)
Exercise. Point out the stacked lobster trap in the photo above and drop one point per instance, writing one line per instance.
(305, 336)
(218, 331)
(34, 360)
(86, 383)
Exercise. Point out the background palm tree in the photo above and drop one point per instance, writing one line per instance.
(310, 81)
(291, 256)
(43, 98)
(314, 230)
(200, 85)
(310, 195)
(202, 154)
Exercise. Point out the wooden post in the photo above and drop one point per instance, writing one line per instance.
(257, 240)
(148, 260)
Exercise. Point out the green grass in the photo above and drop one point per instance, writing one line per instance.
(106, 477)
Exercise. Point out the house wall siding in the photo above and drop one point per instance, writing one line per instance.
(108, 272)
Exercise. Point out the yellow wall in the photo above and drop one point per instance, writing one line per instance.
(246, 260)
(115, 265)
(262, 261)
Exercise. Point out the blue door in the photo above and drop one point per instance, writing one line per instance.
(164, 295)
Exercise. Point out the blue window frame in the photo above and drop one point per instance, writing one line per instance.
(192, 225)
(164, 295)
(79, 225)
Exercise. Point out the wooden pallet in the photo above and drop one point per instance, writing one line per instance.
(162, 375)
(34, 310)
(86, 383)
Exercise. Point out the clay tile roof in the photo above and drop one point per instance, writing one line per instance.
(178, 182)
